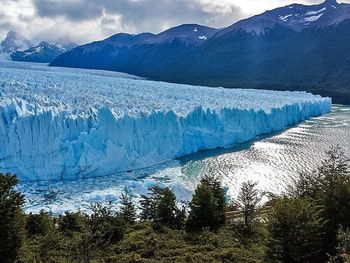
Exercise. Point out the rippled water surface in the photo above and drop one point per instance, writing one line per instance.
(272, 161)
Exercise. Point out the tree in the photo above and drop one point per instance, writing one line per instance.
(167, 209)
(181, 216)
(71, 222)
(208, 206)
(334, 196)
(202, 209)
(306, 185)
(219, 195)
(247, 201)
(160, 207)
(38, 224)
(106, 225)
(328, 188)
(99, 230)
(295, 227)
(149, 204)
(128, 208)
(11, 223)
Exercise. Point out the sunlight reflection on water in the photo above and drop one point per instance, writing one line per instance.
(273, 161)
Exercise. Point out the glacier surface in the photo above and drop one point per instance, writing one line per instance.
(59, 124)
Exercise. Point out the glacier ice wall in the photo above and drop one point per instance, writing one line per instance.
(58, 125)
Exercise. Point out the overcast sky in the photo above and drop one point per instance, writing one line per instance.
(87, 20)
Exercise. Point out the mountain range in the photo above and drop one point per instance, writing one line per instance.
(296, 47)
(44, 52)
(16, 47)
(133, 53)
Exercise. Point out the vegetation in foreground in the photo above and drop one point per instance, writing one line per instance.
(310, 223)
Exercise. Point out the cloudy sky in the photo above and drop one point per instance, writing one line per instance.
(87, 20)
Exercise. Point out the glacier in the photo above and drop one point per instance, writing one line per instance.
(62, 124)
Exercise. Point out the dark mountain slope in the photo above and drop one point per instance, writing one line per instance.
(296, 47)
(100, 54)
(135, 53)
(316, 60)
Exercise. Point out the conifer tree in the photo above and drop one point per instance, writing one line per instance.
(219, 195)
(167, 209)
(208, 206)
(11, 223)
(128, 208)
(160, 207)
(247, 201)
(202, 209)
(149, 204)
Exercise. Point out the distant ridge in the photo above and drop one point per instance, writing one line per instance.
(127, 52)
(16, 47)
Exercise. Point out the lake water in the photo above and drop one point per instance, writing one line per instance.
(272, 161)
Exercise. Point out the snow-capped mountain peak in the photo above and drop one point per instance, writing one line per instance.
(44, 52)
(295, 17)
(13, 42)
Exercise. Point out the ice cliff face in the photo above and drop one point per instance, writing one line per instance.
(57, 124)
